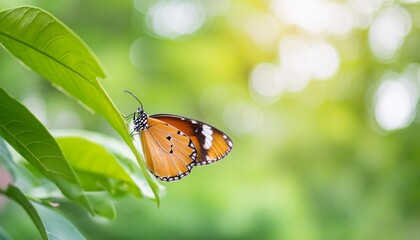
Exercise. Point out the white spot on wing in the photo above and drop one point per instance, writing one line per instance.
(207, 132)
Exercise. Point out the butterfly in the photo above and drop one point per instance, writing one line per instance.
(173, 145)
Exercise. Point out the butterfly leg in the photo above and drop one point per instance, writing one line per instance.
(129, 115)
(133, 133)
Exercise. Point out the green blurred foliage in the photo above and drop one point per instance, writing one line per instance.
(311, 164)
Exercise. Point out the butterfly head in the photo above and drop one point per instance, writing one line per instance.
(140, 120)
(139, 117)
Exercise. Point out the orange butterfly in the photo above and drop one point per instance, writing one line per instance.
(173, 145)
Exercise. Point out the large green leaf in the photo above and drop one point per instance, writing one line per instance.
(33, 142)
(48, 47)
(15, 194)
(57, 226)
(4, 235)
(49, 223)
(105, 209)
(120, 152)
(97, 164)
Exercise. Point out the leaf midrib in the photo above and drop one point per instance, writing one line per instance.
(49, 56)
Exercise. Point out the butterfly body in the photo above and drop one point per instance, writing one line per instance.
(173, 145)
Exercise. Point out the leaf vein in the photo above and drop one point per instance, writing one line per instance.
(47, 156)
(22, 132)
(40, 30)
(6, 14)
(18, 141)
(52, 40)
(12, 121)
(52, 58)
(38, 142)
(18, 22)
(67, 54)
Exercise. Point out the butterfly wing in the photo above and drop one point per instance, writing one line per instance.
(170, 154)
(212, 144)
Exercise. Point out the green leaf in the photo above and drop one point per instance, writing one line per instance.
(4, 235)
(15, 194)
(50, 224)
(93, 160)
(103, 205)
(133, 169)
(48, 47)
(120, 152)
(56, 225)
(6, 159)
(34, 143)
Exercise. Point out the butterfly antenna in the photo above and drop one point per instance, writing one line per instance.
(134, 97)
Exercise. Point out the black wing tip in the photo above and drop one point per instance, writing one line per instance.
(211, 161)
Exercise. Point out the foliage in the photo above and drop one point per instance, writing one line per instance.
(321, 99)
(75, 165)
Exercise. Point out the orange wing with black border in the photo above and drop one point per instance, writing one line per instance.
(170, 154)
(211, 144)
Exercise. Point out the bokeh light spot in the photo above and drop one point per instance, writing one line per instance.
(388, 31)
(395, 105)
(300, 62)
(173, 19)
(140, 53)
(265, 80)
(243, 118)
(263, 29)
(324, 61)
(294, 81)
(312, 15)
(340, 19)
(294, 54)
(366, 7)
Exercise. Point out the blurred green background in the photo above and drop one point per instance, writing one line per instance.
(320, 98)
